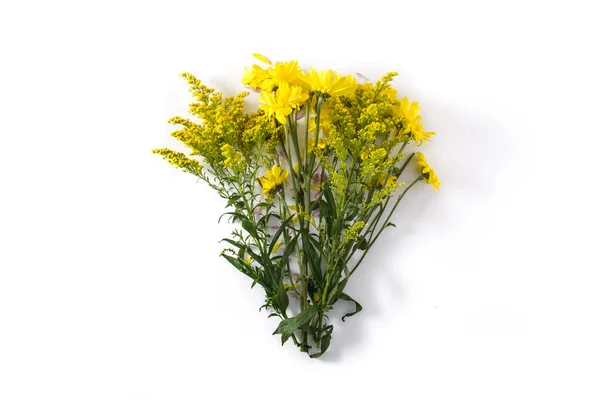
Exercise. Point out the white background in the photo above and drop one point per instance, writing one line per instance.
(110, 282)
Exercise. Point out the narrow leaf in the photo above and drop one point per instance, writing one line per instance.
(357, 309)
(288, 326)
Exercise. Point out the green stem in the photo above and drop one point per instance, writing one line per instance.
(384, 224)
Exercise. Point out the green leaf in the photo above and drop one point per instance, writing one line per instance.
(357, 309)
(325, 341)
(288, 250)
(330, 199)
(288, 326)
(249, 227)
(311, 247)
(245, 248)
(282, 297)
(240, 265)
(362, 243)
(278, 233)
(234, 214)
(232, 199)
(353, 213)
(390, 224)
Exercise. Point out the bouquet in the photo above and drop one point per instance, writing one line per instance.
(311, 179)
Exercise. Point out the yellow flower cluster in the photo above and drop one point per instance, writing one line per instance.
(335, 148)
(362, 124)
(226, 136)
(285, 87)
(233, 158)
(286, 99)
(180, 160)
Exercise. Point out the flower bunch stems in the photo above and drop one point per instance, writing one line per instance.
(308, 178)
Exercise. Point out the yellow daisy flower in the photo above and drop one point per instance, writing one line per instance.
(409, 113)
(283, 72)
(281, 104)
(255, 76)
(329, 83)
(274, 180)
(426, 170)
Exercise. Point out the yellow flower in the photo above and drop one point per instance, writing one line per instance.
(262, 58)
(180, 160)
(329, 83)
(255, 76)
(248, 260)
(409, 113)
(281, 104)
(426, 170)
(382, 181)
(283, 72)
(274, 180)
(233, 158)
(311, 143)
(290, 286)
(276, 246)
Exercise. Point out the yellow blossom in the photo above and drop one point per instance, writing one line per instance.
(386, 179)
(233, 158)
(312, 144)
(180, 160)
(426, 170)
(274, 180)
(411, 120)
(248, 260)
(290, 286)
(281, 104)
(255, 76)
(329, 83)
(390, 92)
(282, 72)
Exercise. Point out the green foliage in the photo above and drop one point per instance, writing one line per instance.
(326, 189)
